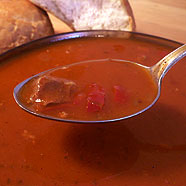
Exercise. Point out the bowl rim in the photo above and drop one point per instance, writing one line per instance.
(82, 34)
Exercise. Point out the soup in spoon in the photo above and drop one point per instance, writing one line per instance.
(95, 90)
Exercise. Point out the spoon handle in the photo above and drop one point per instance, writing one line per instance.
(162, 67)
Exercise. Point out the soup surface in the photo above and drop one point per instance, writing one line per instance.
(147, 150)
(88, 91)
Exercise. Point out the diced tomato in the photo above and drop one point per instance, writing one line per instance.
(120, 94)
(95, 98)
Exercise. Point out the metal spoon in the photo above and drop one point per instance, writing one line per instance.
(157, 72)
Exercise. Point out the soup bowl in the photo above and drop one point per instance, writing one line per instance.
(148, 149)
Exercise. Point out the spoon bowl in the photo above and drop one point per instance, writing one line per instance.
(157, 72)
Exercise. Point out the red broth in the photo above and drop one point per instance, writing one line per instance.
(147, 150)
(89, 91)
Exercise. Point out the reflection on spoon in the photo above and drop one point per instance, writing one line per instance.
(94, 91)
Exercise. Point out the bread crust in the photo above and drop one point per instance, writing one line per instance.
(130, 13)
(74, 10)
(21, 22)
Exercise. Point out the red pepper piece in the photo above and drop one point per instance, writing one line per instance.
(95, 98)
(120, 94)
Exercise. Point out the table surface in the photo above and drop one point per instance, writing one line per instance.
(164, 18)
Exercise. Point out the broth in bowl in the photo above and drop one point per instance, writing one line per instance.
(147, 150)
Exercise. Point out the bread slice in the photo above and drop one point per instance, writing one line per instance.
(21, 22)
(91, 14)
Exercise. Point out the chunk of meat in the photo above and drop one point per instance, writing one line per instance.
(51, 90)
(95, 98)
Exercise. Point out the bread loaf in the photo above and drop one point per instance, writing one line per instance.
(21, 22)
(91, 14)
